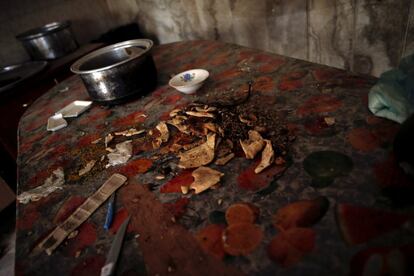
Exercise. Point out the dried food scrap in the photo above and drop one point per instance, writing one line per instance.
(205, 178)
(185, 189)
(199, 127)
(87, 167)
(178, 122)
(178, 119)
(205, 108)
(108, 139)
(163, 129)
(175, 148)
(268, 156)
(248, 119)
(224, 160)
(129, 132)
(163, 137)
(183, 178)
(200, 155)
(160, 177)
(253, 145)
(209, 127)
(175, 112)
(200, 114)
(96, 141)
(329, 121)
(192, 145)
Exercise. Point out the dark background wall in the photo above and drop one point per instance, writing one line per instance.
(366, 36)
(89, 19)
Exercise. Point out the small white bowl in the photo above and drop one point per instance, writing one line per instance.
(188, 82)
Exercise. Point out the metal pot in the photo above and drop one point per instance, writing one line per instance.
(50, 41)
(116, 72)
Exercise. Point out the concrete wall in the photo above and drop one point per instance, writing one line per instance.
(366, 36)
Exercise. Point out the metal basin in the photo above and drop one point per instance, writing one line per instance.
(119, 71)
(50, 41)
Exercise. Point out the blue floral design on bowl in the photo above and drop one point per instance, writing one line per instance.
(187, 77)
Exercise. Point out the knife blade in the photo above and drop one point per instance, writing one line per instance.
(113, 254)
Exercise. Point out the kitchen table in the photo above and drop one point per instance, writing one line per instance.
(356, 217)
(14, 101)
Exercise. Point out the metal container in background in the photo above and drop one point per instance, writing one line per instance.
(50, 41)
(116, 72)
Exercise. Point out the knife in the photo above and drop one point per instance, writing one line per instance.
(112, 257)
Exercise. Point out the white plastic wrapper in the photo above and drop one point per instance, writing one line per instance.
(121, 155)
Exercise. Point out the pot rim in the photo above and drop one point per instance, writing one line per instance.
(44, 30)
(147, 43)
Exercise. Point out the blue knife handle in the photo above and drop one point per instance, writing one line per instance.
(110, 213)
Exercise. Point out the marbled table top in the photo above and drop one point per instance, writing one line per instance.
(155, 244)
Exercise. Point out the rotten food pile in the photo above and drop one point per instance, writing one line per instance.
(200, 135)
(194, 138)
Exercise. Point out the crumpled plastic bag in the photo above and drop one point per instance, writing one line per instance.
(393, 95)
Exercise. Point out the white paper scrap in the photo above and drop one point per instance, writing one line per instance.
(54, 182)
(122, 153)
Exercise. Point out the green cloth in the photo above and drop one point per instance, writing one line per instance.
(393, 95)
